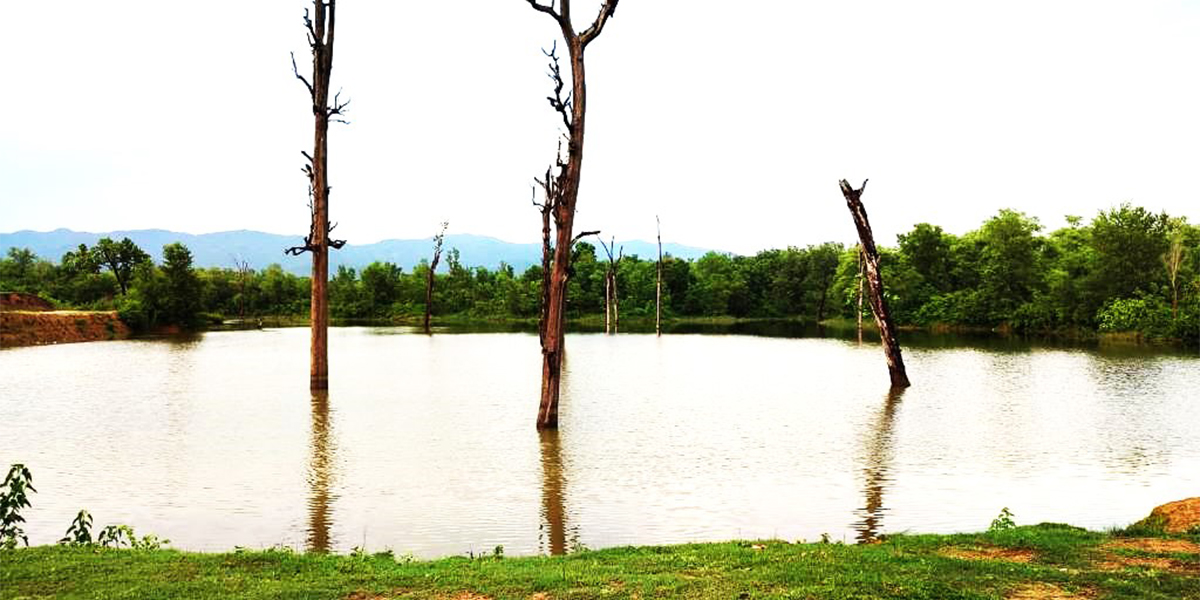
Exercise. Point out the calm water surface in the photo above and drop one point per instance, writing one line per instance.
(427, 444)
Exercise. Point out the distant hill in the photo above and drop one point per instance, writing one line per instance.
(263, 249)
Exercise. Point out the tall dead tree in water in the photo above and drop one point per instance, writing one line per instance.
(612, 308)
(243, 270)
(658, 283)
(437, 255)
(887, 329)
(563, 191)
(545, 208)
(320, 28)
(860, 292)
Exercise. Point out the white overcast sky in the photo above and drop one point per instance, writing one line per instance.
(734, 121)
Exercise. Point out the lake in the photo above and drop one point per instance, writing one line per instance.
(427, 445)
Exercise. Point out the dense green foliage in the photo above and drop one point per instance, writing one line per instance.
(1062, 560)
(1129, 270)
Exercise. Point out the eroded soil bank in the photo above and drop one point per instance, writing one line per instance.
(33, 328)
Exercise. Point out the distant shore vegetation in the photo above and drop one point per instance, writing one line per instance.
(1128, 270)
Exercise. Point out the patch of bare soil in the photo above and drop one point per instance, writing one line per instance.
(22, 301)
(989, 553)
(1155, 545)
(1180, 516)
(1046, 591)
(31, 328)
(459, 596)
(1113, 561)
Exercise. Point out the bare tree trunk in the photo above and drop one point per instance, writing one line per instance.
(320, 40)
(887, 329)
(608, 302)
(611, 306)
(658, 283)
(1173, 260)
(437, 255)
(243, 268)
(860, 294)
(562, 194)
(547, 255)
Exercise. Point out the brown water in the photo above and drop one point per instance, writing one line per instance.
(427, 444)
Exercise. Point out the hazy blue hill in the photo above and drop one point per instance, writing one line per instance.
(262, 249)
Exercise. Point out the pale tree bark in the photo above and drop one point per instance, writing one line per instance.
(563, 191)
(612, 308)
(860, 293)
(243, 269)
(1173, 261)
(437, 255)
(320, 26)
(658, 283)
(887, 329)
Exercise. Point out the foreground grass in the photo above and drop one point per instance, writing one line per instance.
(1045, 561)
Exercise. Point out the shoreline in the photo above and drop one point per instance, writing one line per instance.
(1040, 561)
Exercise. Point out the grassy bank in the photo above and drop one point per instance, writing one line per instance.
(1044, 561)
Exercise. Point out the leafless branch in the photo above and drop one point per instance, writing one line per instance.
(560, 104)
(607, 10)
(296, 71)
(585, 234)
(547, 9)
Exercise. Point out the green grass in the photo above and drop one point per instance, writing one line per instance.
(903, 566)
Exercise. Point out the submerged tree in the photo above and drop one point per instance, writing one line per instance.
(658, 282)
(887, 329)
(320, 28)
(437, 255)
(612, 309)
(562, 191)
(1173, 261)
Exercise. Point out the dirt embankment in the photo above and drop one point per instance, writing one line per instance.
(29, 328)
(26, 320)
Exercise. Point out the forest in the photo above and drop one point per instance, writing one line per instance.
(1127, 270)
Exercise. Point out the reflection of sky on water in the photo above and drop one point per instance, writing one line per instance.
(427, 444)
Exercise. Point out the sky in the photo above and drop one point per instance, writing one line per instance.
(733, 122)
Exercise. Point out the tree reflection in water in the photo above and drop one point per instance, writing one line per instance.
(878, 459)
(320, 474)
(553, 535)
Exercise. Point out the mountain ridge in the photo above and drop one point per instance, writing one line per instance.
(261, 249)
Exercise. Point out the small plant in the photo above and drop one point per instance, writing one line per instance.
(14, 497)
(116, 536)
(1003, 521)
(80, 531)
(825, 538)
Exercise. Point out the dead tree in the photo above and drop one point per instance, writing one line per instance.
(1173, 260)
(437, 255)
(658, 283)
(887, 329)
(545, 208)
(243, 269)
(320, 28)
(860, 292)
(612, 309)
(562, 192)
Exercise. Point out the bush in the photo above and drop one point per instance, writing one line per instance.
(1146, 315)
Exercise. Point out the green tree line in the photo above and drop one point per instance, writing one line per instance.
(1127, 270)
